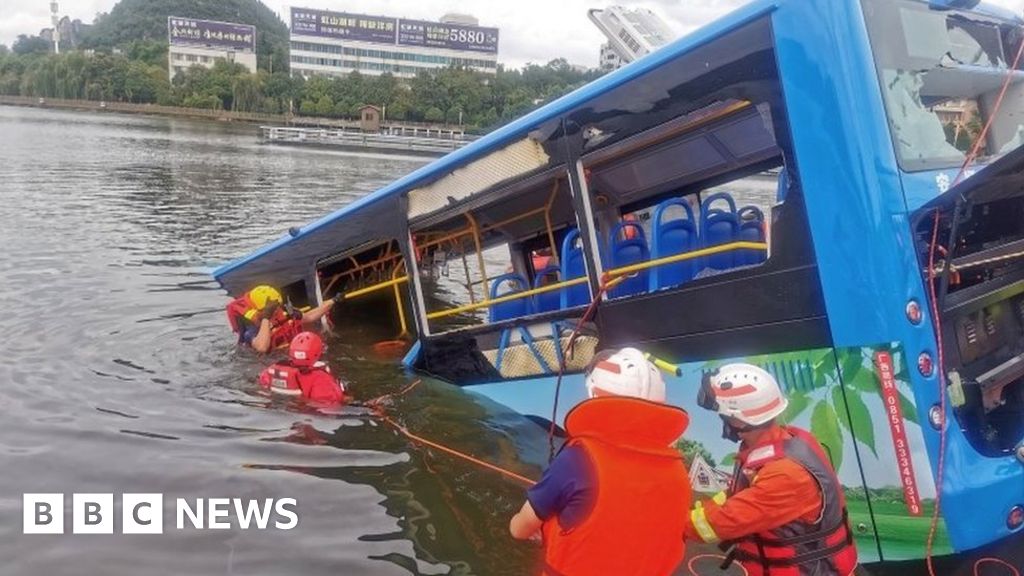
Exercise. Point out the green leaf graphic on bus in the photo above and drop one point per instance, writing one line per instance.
(860, 424)
(825, 427)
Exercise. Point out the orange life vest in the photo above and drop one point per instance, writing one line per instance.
(242, 311)
(643, 492)
(799, 548)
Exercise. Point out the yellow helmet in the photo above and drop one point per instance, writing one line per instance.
(260, 295)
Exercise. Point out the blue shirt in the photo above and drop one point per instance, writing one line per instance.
(568, 488)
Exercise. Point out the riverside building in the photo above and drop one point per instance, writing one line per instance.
(631, 34)
(337, 43)
(193, 42)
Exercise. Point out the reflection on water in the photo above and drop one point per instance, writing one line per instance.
(120, 374)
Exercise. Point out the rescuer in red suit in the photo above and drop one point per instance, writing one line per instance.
(784, 513)
(303, 374)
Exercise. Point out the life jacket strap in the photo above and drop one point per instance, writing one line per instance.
(805, 558)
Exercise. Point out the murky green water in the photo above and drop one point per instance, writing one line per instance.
(120, 374)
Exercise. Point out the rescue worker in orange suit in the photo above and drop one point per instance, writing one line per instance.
(784, 513)
(614, 500)
(303, 374)
(262, 321)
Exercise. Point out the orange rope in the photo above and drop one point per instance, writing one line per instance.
(606, 284)
(977, 565)
(456, 453)
(375, 406)
(376, 401)
(971, 156)
(995, 110)
(933, 527)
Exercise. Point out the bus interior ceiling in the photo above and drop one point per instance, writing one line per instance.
(367, 275)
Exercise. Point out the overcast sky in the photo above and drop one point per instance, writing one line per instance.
(531, 30)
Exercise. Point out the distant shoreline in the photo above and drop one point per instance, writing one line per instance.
(132, 108)
(194, 113)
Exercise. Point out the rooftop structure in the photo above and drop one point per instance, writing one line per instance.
(631, 33)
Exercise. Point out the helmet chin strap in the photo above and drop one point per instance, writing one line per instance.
(732, 433)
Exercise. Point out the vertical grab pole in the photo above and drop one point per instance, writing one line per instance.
(479, 249)
(398, 302)
(417, 287)
(581, 203)
(547, 222)
(465, 268)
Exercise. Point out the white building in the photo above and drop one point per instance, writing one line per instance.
(705, 479)
(610, 59)
(337, 43)
(631, 33)
(193, 42)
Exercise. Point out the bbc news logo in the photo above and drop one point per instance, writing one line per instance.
(144, 513)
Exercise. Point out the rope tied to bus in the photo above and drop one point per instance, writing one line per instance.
(933, 271)
(607, 283)
(376, 406)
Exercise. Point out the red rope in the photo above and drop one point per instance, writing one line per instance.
(570, 349)
(378, 410)
(374, 403)
(942, 395)
(995, 110)
(405, 432)
(977, 565)
(975, 149)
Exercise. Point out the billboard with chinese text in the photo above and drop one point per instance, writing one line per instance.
(195, 32)
(450, 36)
(393, 31)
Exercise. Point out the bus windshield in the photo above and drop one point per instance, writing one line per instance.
(941, 72)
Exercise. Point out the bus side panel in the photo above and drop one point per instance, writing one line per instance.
(882, 426)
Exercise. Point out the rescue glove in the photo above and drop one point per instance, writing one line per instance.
(270, 309)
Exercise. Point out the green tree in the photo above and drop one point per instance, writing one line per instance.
(146, 20)
(30, 45)
(152, 52)
(691, 449)
(324, 106)
(433, 114)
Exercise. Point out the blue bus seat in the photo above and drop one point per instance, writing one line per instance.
(547, 301)
(669, 238)
(751, 230)
(573, 266)
(718, 226)
(625, 251)
(512, 308)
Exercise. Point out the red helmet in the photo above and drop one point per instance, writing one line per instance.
(305, 349)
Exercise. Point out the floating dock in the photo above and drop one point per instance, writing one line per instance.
(419, 142)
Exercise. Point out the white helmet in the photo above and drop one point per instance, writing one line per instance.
(625, 373)
(744, 392)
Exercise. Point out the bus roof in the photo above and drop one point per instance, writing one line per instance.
(265, 264)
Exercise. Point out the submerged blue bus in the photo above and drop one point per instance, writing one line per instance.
(787, 186)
